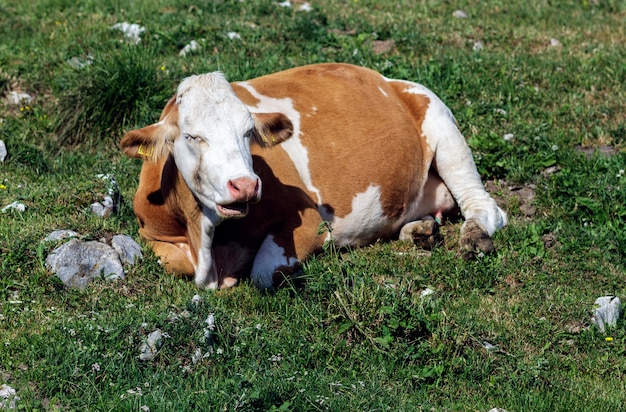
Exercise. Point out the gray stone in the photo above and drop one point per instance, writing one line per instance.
(17, 206)
(459, 14)
(3, 151)
(60, 235)
(18, 98)
(151, 346)
(607, 311)
(111, 197)
(77, 263)
(128, 250)
(8, 397)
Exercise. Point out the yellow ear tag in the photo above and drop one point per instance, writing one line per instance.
(272, 138)
(148, 152)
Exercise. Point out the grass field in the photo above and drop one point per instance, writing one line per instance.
(510, 330)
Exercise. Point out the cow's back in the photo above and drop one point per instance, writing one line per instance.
(358, 152)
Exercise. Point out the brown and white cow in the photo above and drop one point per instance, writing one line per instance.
(271, 159)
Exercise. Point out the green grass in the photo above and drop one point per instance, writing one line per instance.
(356, 334)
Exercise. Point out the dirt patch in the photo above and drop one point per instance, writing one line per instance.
(513, 198)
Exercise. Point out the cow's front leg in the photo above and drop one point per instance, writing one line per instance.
(283, 250)
(272, 260)
(206, 272)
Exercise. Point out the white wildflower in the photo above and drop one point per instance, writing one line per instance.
(508, 137)
(233, 35)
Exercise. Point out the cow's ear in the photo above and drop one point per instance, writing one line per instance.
(271, 128)
(152, 141)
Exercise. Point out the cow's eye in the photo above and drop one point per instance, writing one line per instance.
(249, 134)
(191, 138)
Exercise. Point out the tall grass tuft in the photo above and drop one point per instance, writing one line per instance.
(117, 90)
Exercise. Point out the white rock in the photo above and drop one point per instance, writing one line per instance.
(426, 292)
(151, 346)
(501, 111)
(197, 356)
(233, 35)
(3, 151)
(131, 31)
(490, 347)
(607, 312)
(20, 207)
(8, 397)
(78, 63)
(111, 201)
(60, 235)
(554, 42)
(17, 98)
(210, 321)
(459, 14)
(192, 46)
(508, 137)
(305, 7)
(77, 263)
(127, 249)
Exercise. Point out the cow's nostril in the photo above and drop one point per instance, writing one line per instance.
(244, 189)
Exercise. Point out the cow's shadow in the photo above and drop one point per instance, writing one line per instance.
(280, 213)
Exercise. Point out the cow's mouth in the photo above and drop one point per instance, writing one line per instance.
(233, 210)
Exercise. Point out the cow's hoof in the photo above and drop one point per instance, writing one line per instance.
(228, 282)
(423, 233)
(475, 241)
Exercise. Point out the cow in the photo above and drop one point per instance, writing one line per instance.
(238, 178)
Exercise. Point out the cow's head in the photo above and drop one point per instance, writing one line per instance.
(208, 130)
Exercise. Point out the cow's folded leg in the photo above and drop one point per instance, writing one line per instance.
(423, 233)
(174, 257)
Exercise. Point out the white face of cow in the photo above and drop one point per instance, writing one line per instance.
(212, 150)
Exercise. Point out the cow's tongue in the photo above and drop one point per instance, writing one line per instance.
(237, 209)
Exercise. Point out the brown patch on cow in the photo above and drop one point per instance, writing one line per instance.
(244, 95)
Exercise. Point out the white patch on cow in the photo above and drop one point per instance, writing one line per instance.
(296, 151)
(365, 223)
(382, 91)
(269, 258)
(455, 163)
